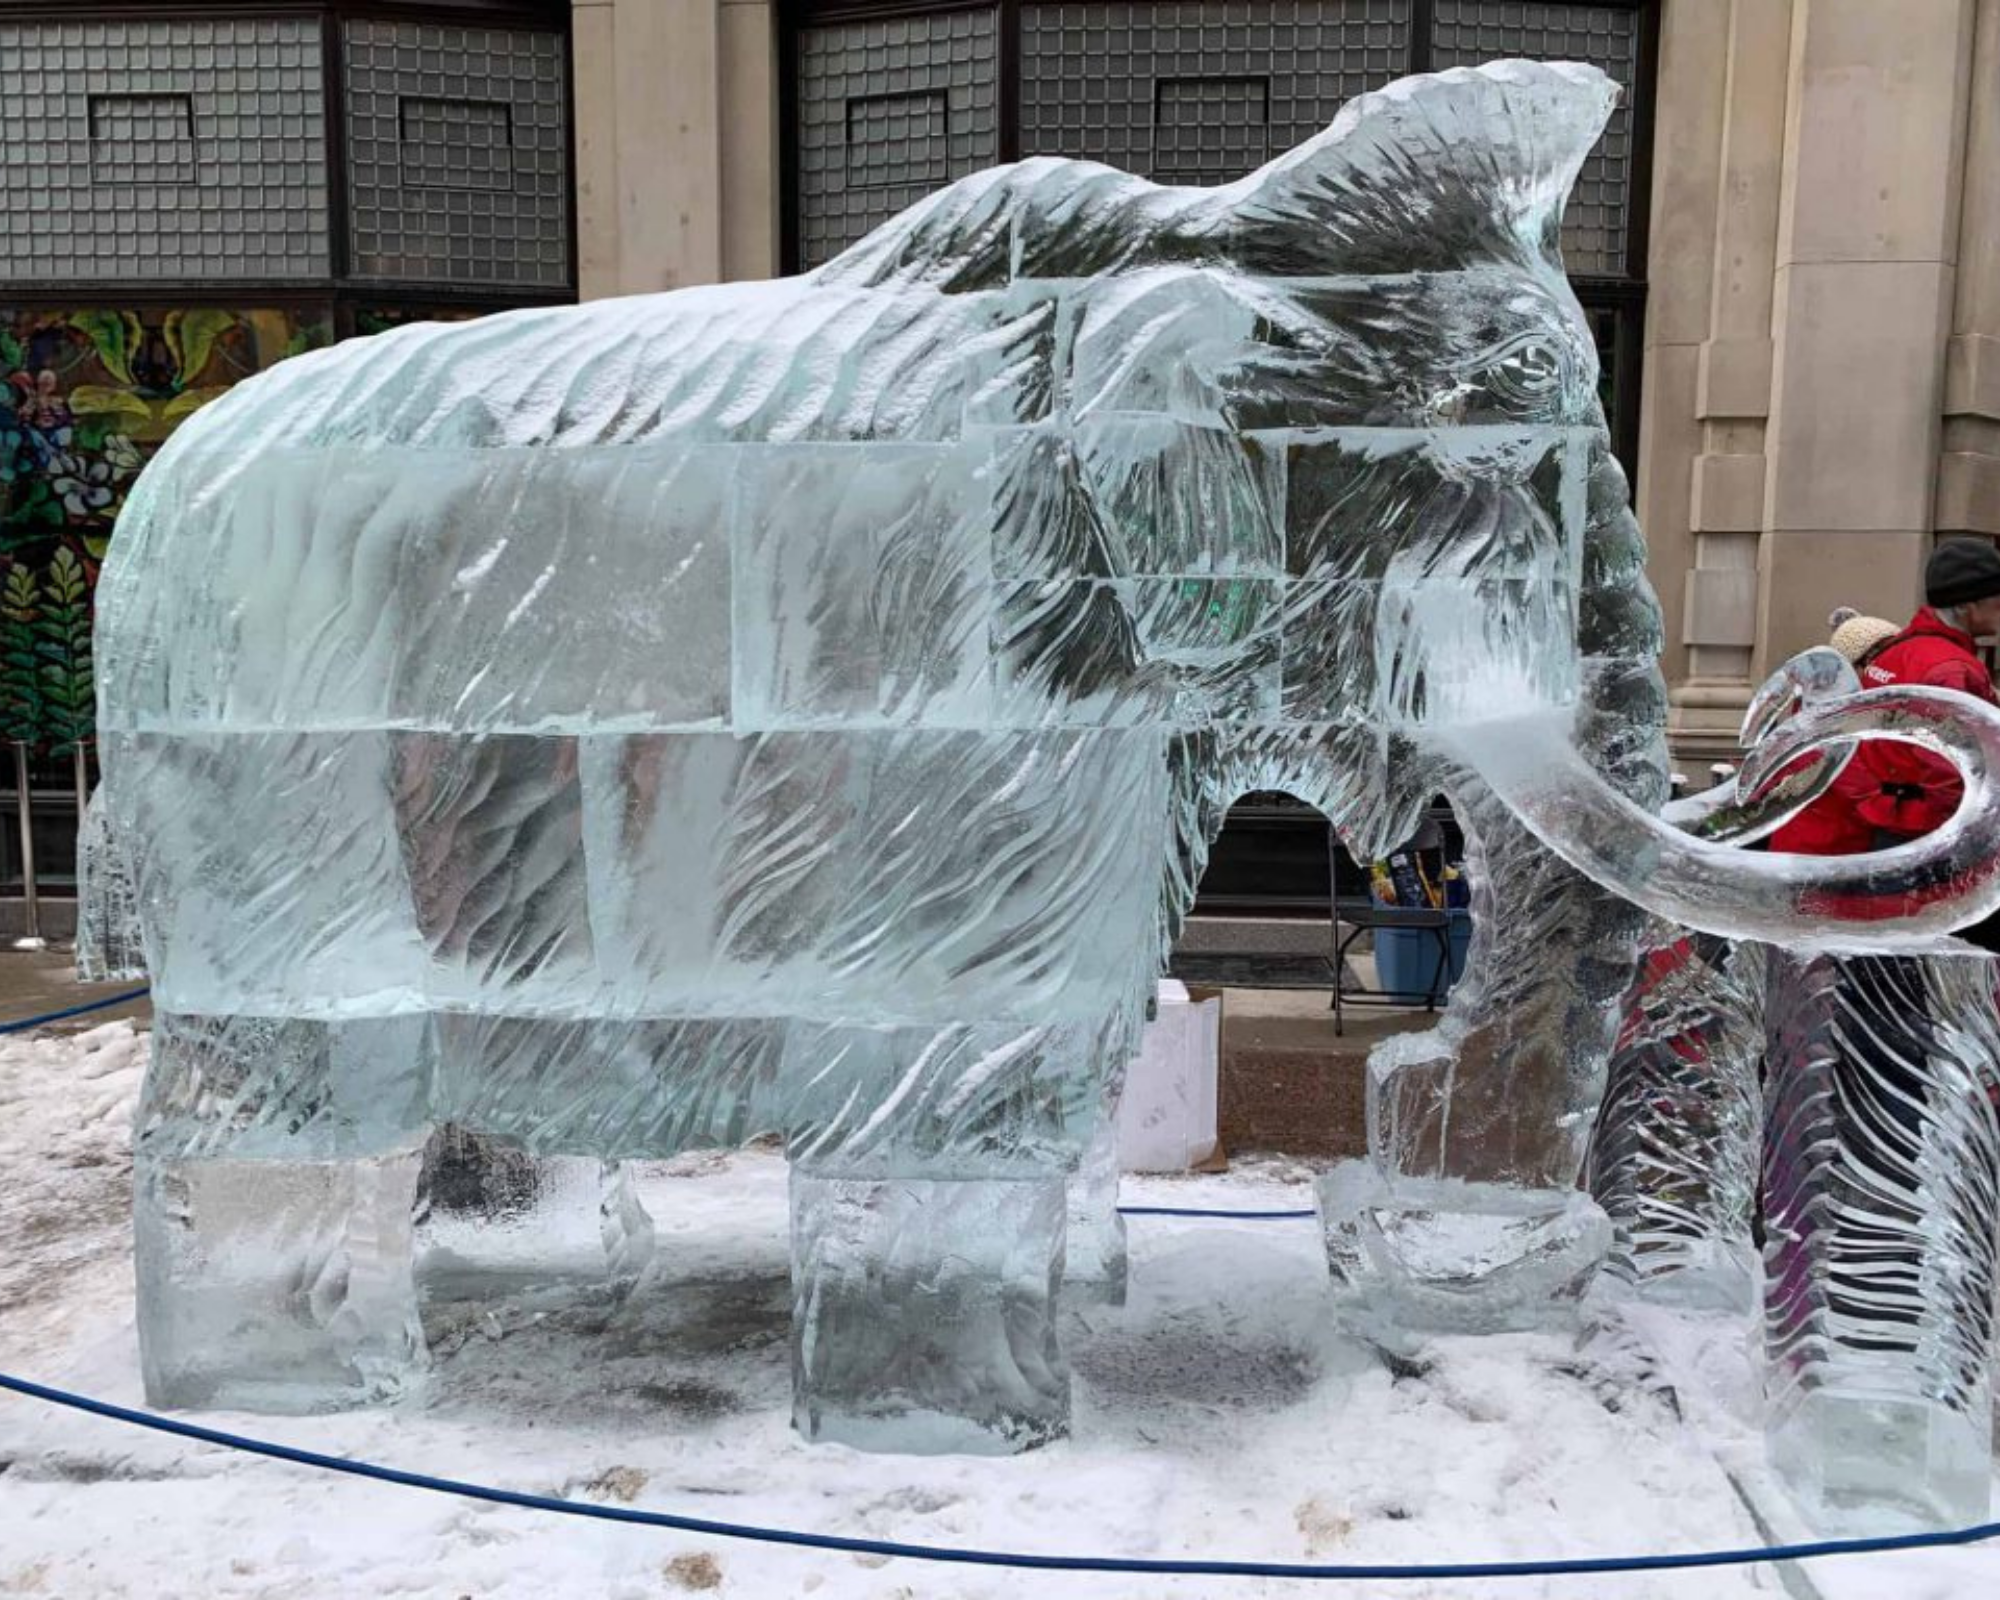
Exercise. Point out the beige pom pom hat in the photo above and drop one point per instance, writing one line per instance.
(1855, 636)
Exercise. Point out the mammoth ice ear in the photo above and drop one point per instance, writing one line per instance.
(1432, 173)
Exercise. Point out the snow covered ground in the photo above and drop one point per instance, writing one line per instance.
(1216, 1415)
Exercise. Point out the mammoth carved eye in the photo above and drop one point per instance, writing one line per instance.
(1528, 374)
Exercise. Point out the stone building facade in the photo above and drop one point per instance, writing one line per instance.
(1791, 244)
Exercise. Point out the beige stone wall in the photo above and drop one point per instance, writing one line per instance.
(1822, 378)
(676, 143)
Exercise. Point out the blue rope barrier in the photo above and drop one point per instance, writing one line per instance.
(1233, 1216)
(952, 1555)
(27, 1023)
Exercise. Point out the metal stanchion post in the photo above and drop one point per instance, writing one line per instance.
(82, 784)
(31, 907)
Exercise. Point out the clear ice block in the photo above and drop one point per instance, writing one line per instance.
(1444, 1255)
(496, 1221)
(277, 1285)
(110, 939)
(924, 1312)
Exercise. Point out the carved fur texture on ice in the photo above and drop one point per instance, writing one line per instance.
(1673, 1159)
(805, 707)
(1881, 1156)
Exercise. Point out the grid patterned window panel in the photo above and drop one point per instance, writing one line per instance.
(1208, 130)
(163, 151)
(1195, 91)
(457, 145)
(898, 139)
(142, 138)
(1465, 32)
(887, 111)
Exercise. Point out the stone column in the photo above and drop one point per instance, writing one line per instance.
(1868, 239)
(1680, 259)
(1968, 488)
(1733, 384)
(676, 134)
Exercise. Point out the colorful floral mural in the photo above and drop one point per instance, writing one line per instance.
(86, 397)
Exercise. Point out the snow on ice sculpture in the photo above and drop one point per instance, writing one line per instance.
(805, 707)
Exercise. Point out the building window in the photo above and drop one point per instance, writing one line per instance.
(142, 138)
(456, 144)
(457, 154)
(1185, 92)
(885, 111)
(163, 151)
(1598, 224)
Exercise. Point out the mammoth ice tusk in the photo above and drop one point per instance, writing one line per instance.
(1909, 897)
(1727, 812)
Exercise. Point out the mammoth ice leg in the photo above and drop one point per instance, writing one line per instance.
(274, 1179)
(1673, 1160)
(495, 1220)
(1880, 1161)
(924, 1311)
(930, 1170)
(1466, 1216)
(1097, 1264)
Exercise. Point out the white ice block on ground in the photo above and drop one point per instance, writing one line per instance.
(1166, 1120)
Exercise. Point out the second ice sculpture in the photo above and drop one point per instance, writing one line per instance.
(805, 707)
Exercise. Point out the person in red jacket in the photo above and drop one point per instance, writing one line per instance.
(1832, 825)
(1893, 792)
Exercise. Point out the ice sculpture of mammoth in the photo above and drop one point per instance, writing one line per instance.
(804, 707)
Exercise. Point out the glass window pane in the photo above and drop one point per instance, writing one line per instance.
(888, 111)
(1466, 32)
(1190, 92)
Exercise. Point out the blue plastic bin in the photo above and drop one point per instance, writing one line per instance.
(1406, 958)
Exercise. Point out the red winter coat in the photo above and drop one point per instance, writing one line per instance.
(1890, 786)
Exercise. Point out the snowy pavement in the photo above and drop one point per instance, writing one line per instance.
(1216, 1415)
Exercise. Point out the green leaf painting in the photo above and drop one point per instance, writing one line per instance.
(87, 395)
(62, 631)
(20, 674)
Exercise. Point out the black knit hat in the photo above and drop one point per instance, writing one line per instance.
(1960, 571)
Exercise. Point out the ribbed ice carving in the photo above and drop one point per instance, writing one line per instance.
(110, 939)
(1673, 1158)
(1880, 1161)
